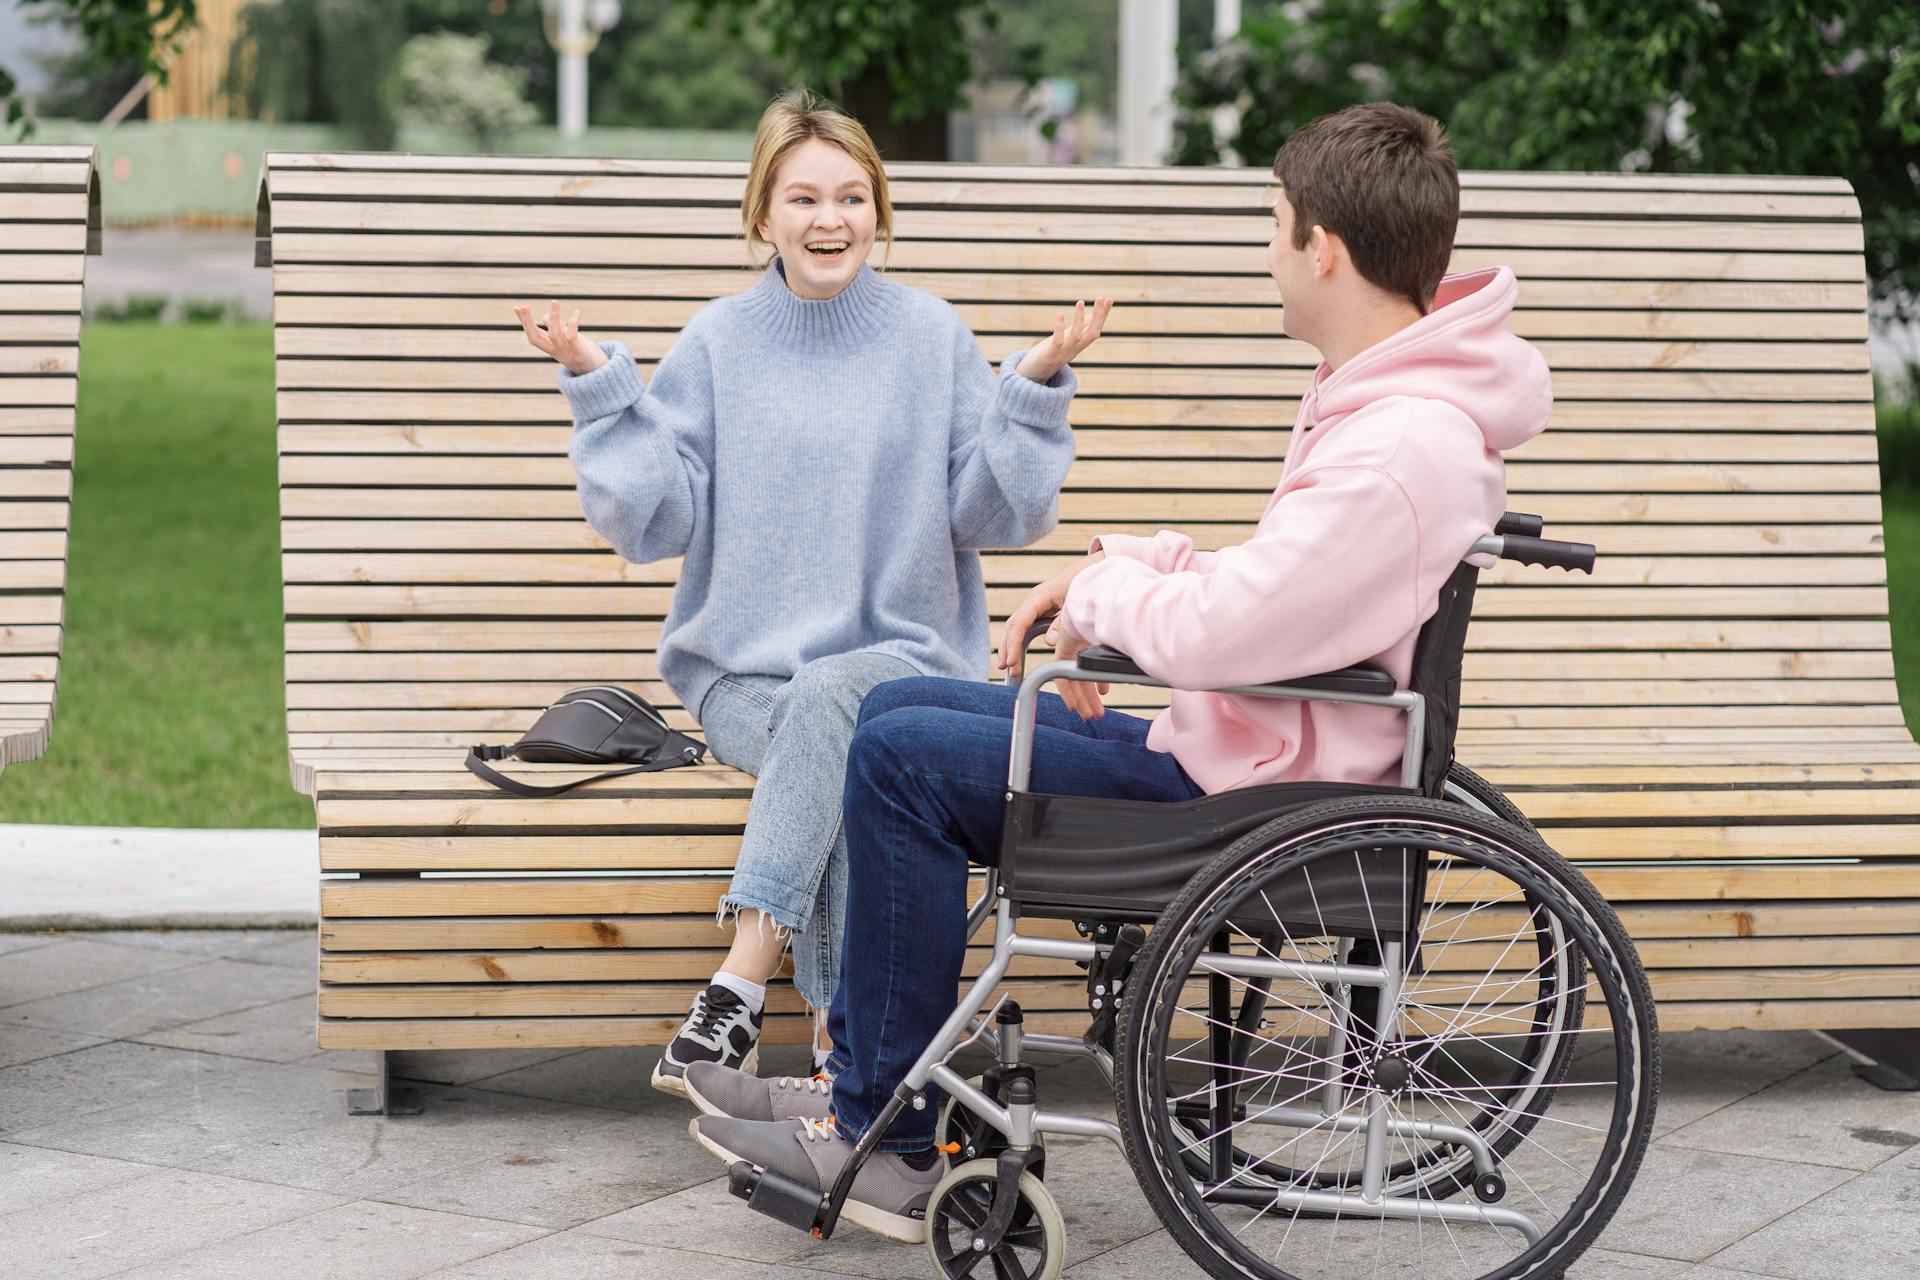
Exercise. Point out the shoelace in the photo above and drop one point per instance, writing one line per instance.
(709, 1013)
(819, 1130)
(815, 1084)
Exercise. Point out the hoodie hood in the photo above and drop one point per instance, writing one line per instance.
(1461, 352)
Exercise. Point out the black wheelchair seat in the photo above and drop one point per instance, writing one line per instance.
(1080, 858)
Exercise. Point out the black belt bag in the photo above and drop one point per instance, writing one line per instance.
(600, 724)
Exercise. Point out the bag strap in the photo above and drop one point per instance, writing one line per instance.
(691, 753)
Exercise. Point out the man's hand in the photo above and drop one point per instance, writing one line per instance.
(1082, 696)
(1045, 601)
(1042, 602)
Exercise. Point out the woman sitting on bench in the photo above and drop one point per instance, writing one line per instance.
(829, 451)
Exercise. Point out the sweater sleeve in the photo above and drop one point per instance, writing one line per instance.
(643, 453)
(1165, 552)
(1009, 448)
(1331, 578)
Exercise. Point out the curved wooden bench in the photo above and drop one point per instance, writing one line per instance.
(49, 223)
(1710, 723)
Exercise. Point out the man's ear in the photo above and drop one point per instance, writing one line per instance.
(1326, 249)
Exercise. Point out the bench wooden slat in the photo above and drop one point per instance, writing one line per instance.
(504, 342)
(639, 318)
(917, 223)
(1778, 300)
(1093, 442)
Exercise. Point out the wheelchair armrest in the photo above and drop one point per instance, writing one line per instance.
(1107, 661)
(1361, 679)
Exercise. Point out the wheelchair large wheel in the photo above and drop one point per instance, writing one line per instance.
(1531, 1063)
(1469, 788)
(1379, 1122)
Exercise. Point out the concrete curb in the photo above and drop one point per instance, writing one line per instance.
(152, 877)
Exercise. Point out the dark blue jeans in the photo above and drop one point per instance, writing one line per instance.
(925, 795)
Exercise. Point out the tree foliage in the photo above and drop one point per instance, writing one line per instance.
(899, 65)
(144, 31)
(1710, 86)
(444, 79)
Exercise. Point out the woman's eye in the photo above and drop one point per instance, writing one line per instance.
(855, 200)
(803, 199)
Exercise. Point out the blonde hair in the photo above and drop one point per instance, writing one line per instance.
(790, 120)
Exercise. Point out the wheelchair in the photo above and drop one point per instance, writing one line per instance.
(1350, 1030)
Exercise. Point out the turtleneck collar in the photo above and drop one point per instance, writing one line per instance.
(850, 319)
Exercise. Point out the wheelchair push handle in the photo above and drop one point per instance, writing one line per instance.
(1575, 556)
(1518, 522)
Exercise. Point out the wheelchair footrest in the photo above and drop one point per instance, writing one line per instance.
(776, 1195)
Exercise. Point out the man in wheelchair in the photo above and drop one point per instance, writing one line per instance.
(1393, 474)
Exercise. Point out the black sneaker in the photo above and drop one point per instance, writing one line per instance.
(719, 1030)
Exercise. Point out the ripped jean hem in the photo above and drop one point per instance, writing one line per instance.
(785, 921)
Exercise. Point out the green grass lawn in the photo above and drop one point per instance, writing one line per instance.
(170, 690)
(170, 695)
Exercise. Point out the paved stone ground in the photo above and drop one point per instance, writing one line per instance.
(163, 1113)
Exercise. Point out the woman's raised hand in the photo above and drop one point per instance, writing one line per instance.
(561, 338)
(1071, 335)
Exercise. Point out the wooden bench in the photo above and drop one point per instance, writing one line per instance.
(1709, 724)
(49, 223)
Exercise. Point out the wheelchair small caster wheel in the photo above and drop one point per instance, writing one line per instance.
(1033, 1248)
(1490, 1187)
(975, 1138)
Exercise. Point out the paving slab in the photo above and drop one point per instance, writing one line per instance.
(370, 1156)
(72, 964)
(278, 1032)
(30, 1176)
(246, 1103)
(59, 1089)
(578, 1256)
(563, 1182)
(1611, 1264)
(232, 944)
(358, 1241)
(111, 1229)
(202, 989)
(27, 941)
(1689, 1205)
(1866, 1229)
(1824, 1115)
(464, 1066)
(25, 1044)
(619, 1078)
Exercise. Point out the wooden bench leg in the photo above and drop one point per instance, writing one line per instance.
(1895, 1053)
(384, 1100)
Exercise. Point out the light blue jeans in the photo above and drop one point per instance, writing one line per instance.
(793, 736)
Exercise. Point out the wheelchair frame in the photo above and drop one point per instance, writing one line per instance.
(1021, 1121)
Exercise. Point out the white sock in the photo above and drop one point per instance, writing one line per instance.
(753, 993)
(820, 1057)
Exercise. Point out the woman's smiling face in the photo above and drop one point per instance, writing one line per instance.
(821, 219)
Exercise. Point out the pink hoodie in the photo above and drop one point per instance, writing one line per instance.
(1392, 473)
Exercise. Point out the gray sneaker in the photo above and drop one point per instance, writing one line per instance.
(889, 1196)
(727, 1091)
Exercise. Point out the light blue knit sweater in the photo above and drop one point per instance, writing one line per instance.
(829, 470)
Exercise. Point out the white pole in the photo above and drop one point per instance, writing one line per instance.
(572, 46)
(1226, 119)
(1149, 33)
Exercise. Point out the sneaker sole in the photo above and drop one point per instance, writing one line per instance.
(677, 1084)
(897, 1227)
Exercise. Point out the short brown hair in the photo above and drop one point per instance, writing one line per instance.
(790, 120)
(1380, 177)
